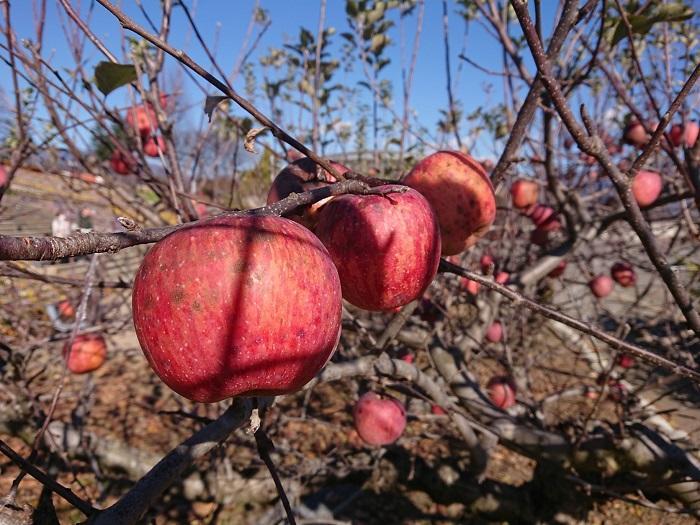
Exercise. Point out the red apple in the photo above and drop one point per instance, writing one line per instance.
(142, 118)
(3, 176)
(237, 306)
(623, 274)
(298, 177)
(152, 146)
(461, 193)
(494, 333)
(437, 410)
(635, 134)
(386, 247)
(625, 360)
(544, 218)
(646, 187)
(502, 277)
(601, 286)
(408, 357)
(524, 193)
(472, 287)
(502, 391)
(65, 310)
(558, 269)
(685, 135)
(87, 353)
(379, 421)
(486, 263)
(121, 163)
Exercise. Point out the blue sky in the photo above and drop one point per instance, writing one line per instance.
(428, 96)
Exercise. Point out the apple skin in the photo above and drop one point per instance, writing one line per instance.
(461, 193)
(501, 391)
(386, 247)
(524, 193)
(121, 163)
(87, 353)
(3, 176)
(379, 421)
(686, 135)
(214, 314)
(601, 286)
(152, 146)
(300, 176)
(558, 270)
(646, 187)
(623, 274)
(494, 333)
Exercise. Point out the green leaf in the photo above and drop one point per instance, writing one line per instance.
(109, 76)
(642, 24)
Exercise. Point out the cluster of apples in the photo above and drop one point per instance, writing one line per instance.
(144, 120)
(622, 273)
(680, 134)
(251, 304)
(524, 194)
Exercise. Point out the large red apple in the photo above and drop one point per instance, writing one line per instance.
(502, 391)
(87, 353)
(524, 193)
(494, 333)
(686, 135)
(298, 177)
(231, 306)
(601, 286)
(623, 274)
(379, 421)
(386, 247)
(460, 191)
(646, 187)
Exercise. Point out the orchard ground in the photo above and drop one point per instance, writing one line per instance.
(128, 411)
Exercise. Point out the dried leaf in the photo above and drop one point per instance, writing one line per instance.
(211, 103)
(250, 137)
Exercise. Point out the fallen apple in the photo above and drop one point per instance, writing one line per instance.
(379, 421)
(87, 353)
